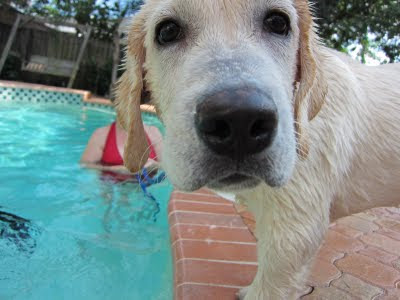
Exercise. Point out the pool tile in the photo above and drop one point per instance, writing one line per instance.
(36, 93)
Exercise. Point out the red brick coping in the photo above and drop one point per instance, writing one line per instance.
(214, 252)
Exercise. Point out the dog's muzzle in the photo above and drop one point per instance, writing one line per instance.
(237, 122)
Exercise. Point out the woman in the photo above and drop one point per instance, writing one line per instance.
(105, 148)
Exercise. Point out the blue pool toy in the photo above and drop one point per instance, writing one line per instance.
(145, 180)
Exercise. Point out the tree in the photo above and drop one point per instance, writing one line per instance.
(104, 16)
(372, 24)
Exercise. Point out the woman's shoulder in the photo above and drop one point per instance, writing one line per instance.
(101, 133)
(103, 130)
(152, 131)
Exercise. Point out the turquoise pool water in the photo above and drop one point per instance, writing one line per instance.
(86, 238)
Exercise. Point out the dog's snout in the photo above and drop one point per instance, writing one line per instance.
(237, 122)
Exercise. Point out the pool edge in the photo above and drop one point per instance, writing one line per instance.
(214, 252)
(24, 85)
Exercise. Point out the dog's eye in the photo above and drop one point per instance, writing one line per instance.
(277, 22)
(168, 32)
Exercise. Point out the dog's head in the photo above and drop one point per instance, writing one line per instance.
(235, 83)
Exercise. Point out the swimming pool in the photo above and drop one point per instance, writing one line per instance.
(87, 237)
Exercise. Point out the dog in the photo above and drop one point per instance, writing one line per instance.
(254, 104)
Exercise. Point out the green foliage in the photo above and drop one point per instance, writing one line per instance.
(12, 68)
(21, 4)
(95, 77)
(103, 16)
(373, 24)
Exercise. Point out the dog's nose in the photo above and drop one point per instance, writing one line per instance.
(237, 122)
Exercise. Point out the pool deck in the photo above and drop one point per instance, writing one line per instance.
(214, 252)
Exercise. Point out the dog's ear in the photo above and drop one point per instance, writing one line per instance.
(128, 97)
(310, 85)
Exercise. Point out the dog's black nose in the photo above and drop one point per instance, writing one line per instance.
(237, 122)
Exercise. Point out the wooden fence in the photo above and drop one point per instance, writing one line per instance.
(35, 39)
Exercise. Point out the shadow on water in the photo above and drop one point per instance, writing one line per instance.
(18, 231)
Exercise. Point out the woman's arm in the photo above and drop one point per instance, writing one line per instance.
(156, 138)
(94, 148)
(93, 153)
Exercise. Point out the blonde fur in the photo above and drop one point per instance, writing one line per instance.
(353, 165)
(128, 97)
(342, 118)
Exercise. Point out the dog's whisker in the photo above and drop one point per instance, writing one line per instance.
(153, 167)
(142, 159)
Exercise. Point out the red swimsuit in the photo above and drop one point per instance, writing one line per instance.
(111, 155)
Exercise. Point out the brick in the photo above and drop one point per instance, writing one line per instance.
(367, 215)
(204, 191)
(396, 265)
(378, 254)
(247, 215)
(247, 218)
(199, 232)
(240, 208)
(394, 210)
(382, 242)
(306, 290)
(358, 224)
(205, 219)
(357, 287)
(369, 270)
(347, 231)
(342, 243)
(216, 273)
(329, 255)
(216, 251)
(322, 273)
(199, 198)
(198, 292)
(181, 205)
(328, 293)
(379, 211)
(390, 233)
(396, 228)
(386, 222)
(394, 213)
(392, 294)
